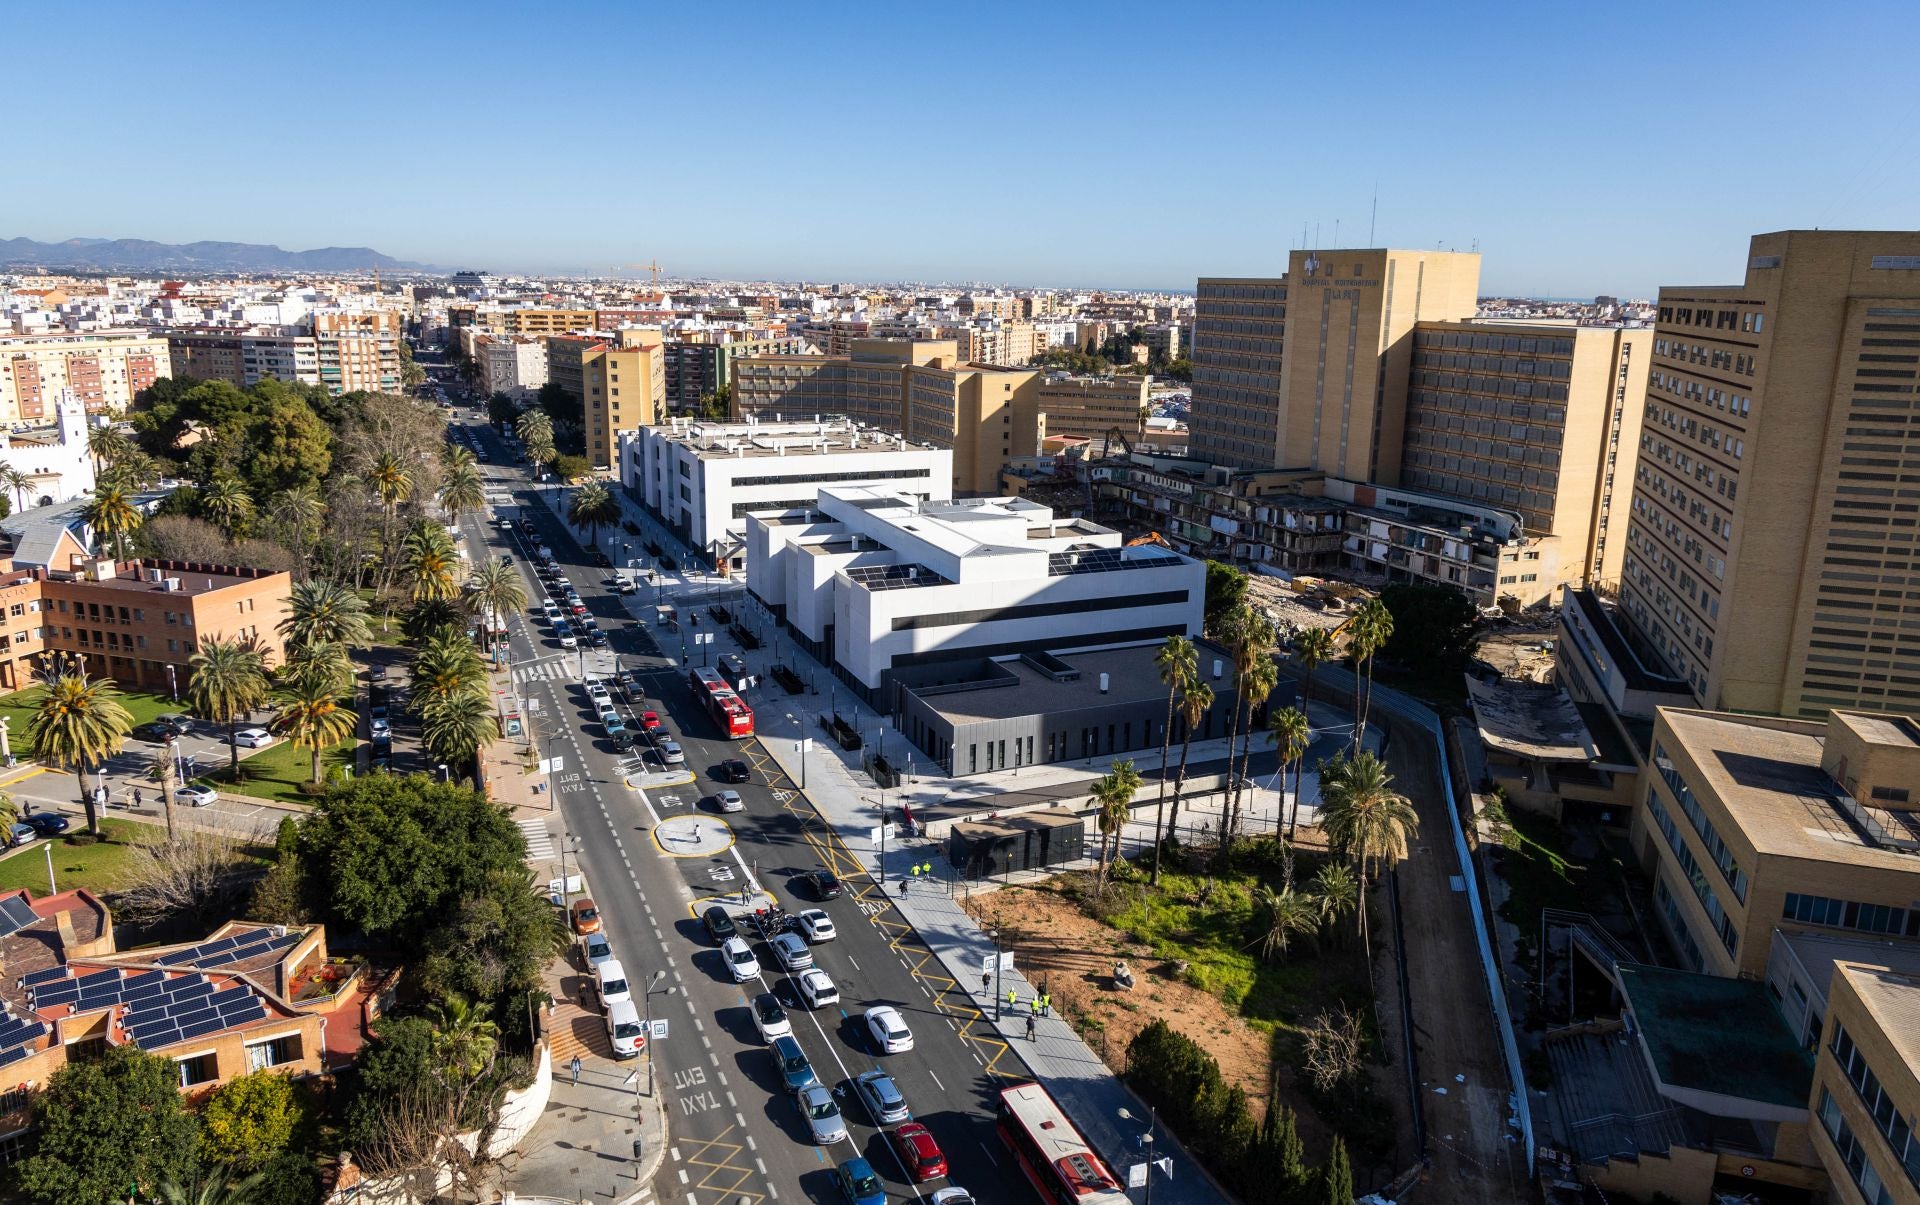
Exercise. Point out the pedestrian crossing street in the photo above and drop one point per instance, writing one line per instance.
(563, 670)
(539, 840)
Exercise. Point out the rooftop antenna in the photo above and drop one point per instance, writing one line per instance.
(1373, 218)
(1336, 232)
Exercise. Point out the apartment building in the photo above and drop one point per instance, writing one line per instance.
(105, 370)
(540, 322)
(788, 386)
(137, 622)
(1530, 418)
(703, 479)
(1402, 535)
(1867, 1084)
(988, 416)
(566, 354)
(1768, 562)
(877, 582)
(245, 357)
(1089, 407)
(698, 369)
(513, 365)
(358, 351)
(1326, 390)
(624, 387)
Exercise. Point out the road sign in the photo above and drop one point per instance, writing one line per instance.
(1137, 1175)
(552, 765)
(873, 834)
(986, 964)
(658, 1029)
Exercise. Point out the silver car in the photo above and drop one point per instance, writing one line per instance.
(822, 1115)
(791, 949)
(671, 754)
(882, 1099)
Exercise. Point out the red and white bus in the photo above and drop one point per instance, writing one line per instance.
(728, 709)
(1055, 1158)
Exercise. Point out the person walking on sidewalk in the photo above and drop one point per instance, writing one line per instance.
(575, 1065)
(1030, 1027)
(1013, 999)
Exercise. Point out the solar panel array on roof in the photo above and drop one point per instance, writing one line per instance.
(159, 1010)
(15, 915)
(229, 950)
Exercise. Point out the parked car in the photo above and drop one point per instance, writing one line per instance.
(253, 738)
(596, 949)
(918, 1152)
(21, 833)
(791, 1062)
(610, 980)
(625, 1028)
(596, 638)
(884, 1103)
(650, 720)
(769, 1017)
(822, 1116)
(816, 925)
(181, 724)
(195, 796)
(584, 916)
(858, 1185)
(791, 949)
(597, 691)
(885, 1024)
(729, 801)
(818, 989)
(741, 963)
(154, 730)
(952, 1196)
(719, 923)
(734, 770)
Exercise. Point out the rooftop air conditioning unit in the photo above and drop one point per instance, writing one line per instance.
(156, 576)
(171, 585)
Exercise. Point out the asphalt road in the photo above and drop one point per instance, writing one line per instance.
(735, 1135)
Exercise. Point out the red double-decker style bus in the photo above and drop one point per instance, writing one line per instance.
(728, 709)
(1056, 1159)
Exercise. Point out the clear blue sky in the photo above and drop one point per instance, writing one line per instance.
(1593, 148)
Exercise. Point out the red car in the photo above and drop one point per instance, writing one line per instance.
(919, 1152)
(650, 720)
(578, 608)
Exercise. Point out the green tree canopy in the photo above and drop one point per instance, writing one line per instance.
(249, 1120)
(561, 406)
(1433, 627)
(1226, 590)
(567, 467)
(105, 1123)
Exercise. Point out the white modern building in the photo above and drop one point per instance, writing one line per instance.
(54, 458)
(886, 586)
(704, 479)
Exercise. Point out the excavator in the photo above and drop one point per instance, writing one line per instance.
(1152, 537)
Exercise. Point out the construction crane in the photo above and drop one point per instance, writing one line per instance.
(646, 267)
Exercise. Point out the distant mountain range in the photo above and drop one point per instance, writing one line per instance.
(140, 255)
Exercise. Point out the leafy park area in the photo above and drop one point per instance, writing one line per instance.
(283, 771)
(79, 860)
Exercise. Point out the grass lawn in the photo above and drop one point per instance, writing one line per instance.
(277, 771)
(1213, 923)
(96, 867)
(18, 708)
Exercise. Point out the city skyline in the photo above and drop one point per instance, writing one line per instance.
(1134, 153)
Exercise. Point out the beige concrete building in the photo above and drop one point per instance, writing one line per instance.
(245, 358)
(624, 387)
(103, 369)
(513, 365)
(1089, 407)
(548, 321)
(987, 415)
(1866, 1087)
(789, 386)
(1531, 418)
(1326, 390)
(1771, 557)
(358, 351)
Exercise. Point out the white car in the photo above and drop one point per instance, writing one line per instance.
(816, 925)
(625, 1028)
(671, 754)
(252, 738)
(380, 727)
(952, 1196)
(567, 639)
(729, 801)
(818, 989)
(551, 610)
(195, 796)
(741, 963)
(610, 980)
(791, 949)
(597, 691)
(769, 1018)
(889, 1030)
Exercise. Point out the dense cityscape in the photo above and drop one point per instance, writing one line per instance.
(824, 714)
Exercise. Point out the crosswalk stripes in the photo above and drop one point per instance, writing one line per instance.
(539, 840)
(550, 671)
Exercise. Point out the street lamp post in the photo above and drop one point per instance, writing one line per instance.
(800, 743)
(1146, 1145)
(653, 989)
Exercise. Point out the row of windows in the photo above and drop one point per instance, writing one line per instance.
(1702, 824)
(830, 478)
(1865, 1176)
(1697, 879)
(1851, 914)
(1886, 1115)
(1159, 598)
(1677, 926)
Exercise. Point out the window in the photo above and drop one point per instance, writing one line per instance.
(199, 1069)
(273, 1052)
(1851, 914)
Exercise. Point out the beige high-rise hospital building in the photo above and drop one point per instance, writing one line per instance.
(623, 386)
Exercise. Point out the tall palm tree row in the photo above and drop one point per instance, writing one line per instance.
(462, 491)
(1261, 677)
(391, 480)
(1195, 702)
(1179, 668)
(592, 505)
(1372, 627)
(1365, 819)
(1291, 735)
(77, 725)
(113, 517)
(229, 683)
(1113, 796)
(430, 562)
(325, 612)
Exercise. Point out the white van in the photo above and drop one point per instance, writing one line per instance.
(611, 978)
(624, 1028)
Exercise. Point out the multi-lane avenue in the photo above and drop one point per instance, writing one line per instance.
(735, 1132)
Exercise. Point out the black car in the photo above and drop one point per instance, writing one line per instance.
(596, 638)
(734, 770)
(154, 730)
(600, 559)
(623, 740)
(719, 924)
(824, 884)
(377, 674)
(47, 824)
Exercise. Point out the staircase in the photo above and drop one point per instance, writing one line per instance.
(1607, 1105)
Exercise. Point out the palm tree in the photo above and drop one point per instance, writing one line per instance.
(1288, 912)
(392, 482)
(494, 592)
(534, 426)
(592, 505)
(106, 445)
(454, 456)
(455, 729)
(446, 666)
(312, 718)
(216, 1189)
(324, 612)
(113, 517)
(9, 812)
(1258, 683)
(1365, 819)
(1179, 667)
(429, 560)
(1195, 702)
(225, 500)
(77, 725)
(1290, 733)
(135, 471)
(1113, 796)
(462, 491)
(324, 666)
(1336, 892)
(298, 509)
(162, 769)
(463, 1038)
(1249, 639)
(1312, 648)
(13, 478)
(229, 683)
(1371, 627)
(541, 453)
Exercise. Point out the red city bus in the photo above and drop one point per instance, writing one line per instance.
(728, 709)
(1056, 1159)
